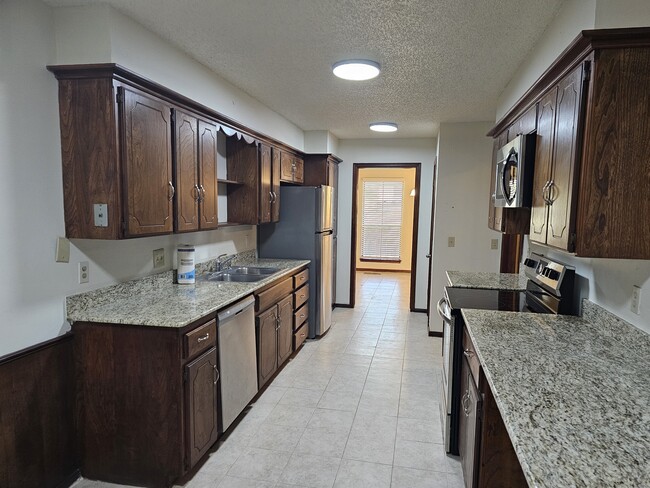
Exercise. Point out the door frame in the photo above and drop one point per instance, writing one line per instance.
(416, 215)
(431, 229)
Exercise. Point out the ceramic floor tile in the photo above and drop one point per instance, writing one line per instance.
(271, 396)
(370, 450)
(417, 478)
(372, 405)
(360, 474)
(301, 397)
(422, 430)
(260, 464)
(332, 420)
(322, 442)
(291, 415)
(232, 482)
(415, 408)
(277, 437)
(311, 471)
(340, 400)
(420, 455)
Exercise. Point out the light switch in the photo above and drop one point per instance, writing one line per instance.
(494, 244)
(62, 250)
(451, 242)
(101, 214)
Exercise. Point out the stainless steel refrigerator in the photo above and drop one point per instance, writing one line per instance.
(305, 232)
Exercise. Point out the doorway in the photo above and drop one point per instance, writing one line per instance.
(385, 211)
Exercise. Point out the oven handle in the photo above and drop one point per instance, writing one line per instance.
(442, 314)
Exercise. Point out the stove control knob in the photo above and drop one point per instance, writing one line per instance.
(552, 274)
(530, 263)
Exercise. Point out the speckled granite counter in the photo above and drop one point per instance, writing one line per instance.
(493, 281)
(156, 301)
(574, 394)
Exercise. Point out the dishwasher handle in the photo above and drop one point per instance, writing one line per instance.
(234, 310)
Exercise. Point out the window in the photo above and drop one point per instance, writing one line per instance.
(381, 221)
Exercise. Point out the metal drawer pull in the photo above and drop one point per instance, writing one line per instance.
(302, 315)
(466, 404)
(302, 277)
(271, 196)
(202, 193)
(302, 335)
(204, 338)
(468, 354)
(216, 374)
(302, 296)
(173, 191)
(197, 193)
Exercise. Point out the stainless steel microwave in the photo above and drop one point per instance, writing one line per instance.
(514, 173)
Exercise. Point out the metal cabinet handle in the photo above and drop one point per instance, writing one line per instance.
(428, 256)
(216, 374)
(551, 193)
(465, 402)
(302, 296)
(468, 354)
(544, 192)
(302, 335)
(302, 315)
(302, 278)
(173, 191)
(197, 193)
(204, 338)
(202, 193)
(275, 197)
(271, 197)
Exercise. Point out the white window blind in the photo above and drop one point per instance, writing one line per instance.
(381, 221)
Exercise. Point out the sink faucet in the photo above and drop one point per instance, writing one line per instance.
(223, 261)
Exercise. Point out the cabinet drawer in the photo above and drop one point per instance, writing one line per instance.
(300, 279)
(470, 353)
(300, 316)
(200, 339)
(300, 335)
(300, 296)
(273, 295)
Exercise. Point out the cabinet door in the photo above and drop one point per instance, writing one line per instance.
(561, 214)
(147, 164)
(286, 167)
(267, 349)
(469, 426)
(495, 214)
(543, 161)
(208, 174)
(298, 170)
(187, 189)
(266, 196)
(285, 329)
(201, 405)
(275, 186)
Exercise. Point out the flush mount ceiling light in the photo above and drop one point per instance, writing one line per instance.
(356, 69)
(383, 126)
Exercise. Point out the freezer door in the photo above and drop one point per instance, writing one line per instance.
(325, 209)
(325, 295)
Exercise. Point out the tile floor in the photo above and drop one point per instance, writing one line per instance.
(357, 408)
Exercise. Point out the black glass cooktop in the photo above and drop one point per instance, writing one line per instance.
(507, 300)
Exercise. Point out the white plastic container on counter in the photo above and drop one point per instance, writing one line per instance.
(185, 261)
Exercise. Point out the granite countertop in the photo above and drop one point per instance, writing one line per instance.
(492, 281)
(574, 394)
(156, 301)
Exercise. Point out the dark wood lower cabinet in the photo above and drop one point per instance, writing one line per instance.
(267, 345)
(285, 329)
(147, 402)
(201, 401)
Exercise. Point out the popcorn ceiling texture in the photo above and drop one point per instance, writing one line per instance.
(442, 61)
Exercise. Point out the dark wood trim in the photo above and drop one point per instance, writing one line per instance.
(435, 333)
(124, 75)
(433, 215)
(416, 214)
(511, 249)
(38, 445)
(573, 55)
(419, 310)
(342, 305)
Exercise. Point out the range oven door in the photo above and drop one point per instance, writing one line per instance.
(448, 346)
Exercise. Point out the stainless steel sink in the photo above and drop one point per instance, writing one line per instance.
(251, 270)
(241, 274)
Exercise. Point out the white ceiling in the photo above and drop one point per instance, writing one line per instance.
(442, 60)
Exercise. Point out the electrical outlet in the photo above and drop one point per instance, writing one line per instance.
(494, 244)
(62, 250)
(158, 258)
(636, 299)
(451, 242)
(84, 272)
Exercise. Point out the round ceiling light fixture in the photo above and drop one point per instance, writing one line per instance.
(356, 69)
(383, 126)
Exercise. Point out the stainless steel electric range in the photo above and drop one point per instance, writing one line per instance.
(549, 289)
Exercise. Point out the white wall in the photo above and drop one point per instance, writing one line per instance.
(383, 151)
(463, 188)
(606, 282)
(138, 49)
(33, 288)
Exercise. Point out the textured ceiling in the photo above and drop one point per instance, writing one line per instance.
(442, 60)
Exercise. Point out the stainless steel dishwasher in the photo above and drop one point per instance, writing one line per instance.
(237, 357)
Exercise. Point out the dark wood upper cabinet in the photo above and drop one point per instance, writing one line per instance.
(201, 402)
(291, 168)
(147, 164)
(208, 175)
(275, 184)
(591, 192)
(266, 193)
(187, 172)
